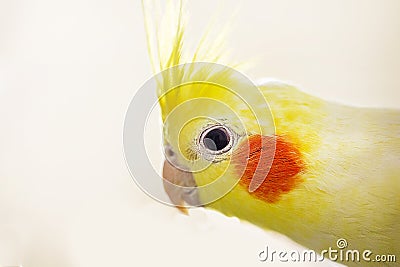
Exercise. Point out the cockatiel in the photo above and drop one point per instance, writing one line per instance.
(313, 170)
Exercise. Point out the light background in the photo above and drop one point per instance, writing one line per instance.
(68, 70)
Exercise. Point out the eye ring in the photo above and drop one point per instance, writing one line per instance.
(216, 140)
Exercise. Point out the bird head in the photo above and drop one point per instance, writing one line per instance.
(206, 125)
(219, 132)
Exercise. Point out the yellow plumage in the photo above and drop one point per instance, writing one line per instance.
(351, 186)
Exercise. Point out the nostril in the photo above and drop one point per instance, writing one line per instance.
(169, 152)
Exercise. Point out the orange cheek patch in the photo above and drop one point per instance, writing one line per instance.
(279, 178)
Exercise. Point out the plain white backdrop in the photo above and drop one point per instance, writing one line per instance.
(68, 70)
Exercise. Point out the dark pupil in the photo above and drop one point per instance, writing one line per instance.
(216, 139)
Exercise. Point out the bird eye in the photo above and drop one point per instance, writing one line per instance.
(217, 139)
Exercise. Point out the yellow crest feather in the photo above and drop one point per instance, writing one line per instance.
(168, 47)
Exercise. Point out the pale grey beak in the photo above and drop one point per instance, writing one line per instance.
(180, 187)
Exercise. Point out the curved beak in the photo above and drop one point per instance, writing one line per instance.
(180, 187)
